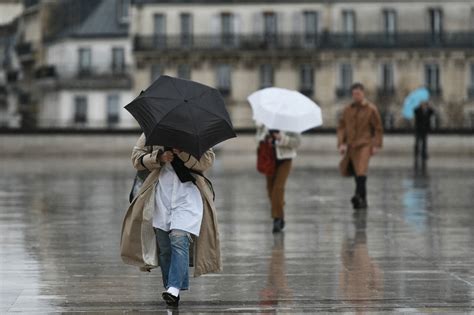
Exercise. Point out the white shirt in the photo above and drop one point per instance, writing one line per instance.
(177, 205)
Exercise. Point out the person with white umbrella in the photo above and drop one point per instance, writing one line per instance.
(281, 116)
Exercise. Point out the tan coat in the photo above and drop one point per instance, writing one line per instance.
(360, 128)
(138, 243)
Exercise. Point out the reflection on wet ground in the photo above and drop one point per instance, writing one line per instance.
(412, 251)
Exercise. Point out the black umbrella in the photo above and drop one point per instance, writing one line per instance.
(182, 114)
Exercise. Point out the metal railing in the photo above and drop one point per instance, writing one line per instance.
(51, 76)
(387, 91)
(304, 41)
(72, 72)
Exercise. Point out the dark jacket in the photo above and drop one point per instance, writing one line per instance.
(423, 120)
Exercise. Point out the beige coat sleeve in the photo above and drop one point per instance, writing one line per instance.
(201, 165)
(142, 158)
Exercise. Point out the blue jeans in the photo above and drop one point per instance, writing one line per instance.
(174, 258)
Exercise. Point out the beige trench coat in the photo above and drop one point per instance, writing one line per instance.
(138, 243)
(360, 128)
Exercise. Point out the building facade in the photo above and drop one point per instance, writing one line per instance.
(317, 47)
(9, 67)
(79, 72)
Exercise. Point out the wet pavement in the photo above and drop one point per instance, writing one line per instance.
(411, 252)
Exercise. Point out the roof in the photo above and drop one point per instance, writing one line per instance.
(104, 21)
(87, 19)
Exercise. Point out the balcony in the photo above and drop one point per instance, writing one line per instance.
(45, 72)
(307, 91)
(225, 91)
(435, 91)
(385, 92)
(303, 42)
(68, 77)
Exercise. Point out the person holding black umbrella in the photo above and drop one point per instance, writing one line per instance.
(173, 210)
(176, 202)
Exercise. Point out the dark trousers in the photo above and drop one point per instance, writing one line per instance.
(421, 145)
(361, 186)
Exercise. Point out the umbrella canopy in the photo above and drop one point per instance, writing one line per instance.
(182, 114)
(413, 100)
(286, 110)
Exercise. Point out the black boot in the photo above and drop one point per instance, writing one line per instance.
(277, 225)
(358, 202)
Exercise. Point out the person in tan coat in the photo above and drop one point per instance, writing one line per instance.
(169, 216)
(359, 136)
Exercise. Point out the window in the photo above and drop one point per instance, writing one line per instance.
(186, 29)
(270, 28)
(118, 60)
(113, 116)
(348, 22)
(224, 79)
(307, 80)
(80, 110)
(436, 21)
(472, 19)
(470, 92)
(266, 76)
(159, 30)
(310, 27)
(345, 80)
(123, 10)
(184, 72)
(156, 71)
(471, 119)
(432, 79)
(227, 29)
(85, 60)
(3, 98)
(387, 79)
(390, 22)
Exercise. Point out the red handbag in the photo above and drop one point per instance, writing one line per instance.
(266, 160)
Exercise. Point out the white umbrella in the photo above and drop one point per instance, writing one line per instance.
(285, 110)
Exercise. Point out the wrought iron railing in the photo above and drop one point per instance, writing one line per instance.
(304, 41)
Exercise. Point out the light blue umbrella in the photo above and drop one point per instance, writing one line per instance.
(413, 100)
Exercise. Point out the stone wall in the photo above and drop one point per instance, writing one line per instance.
(12, 145)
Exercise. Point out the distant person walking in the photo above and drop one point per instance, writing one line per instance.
(283, 149)
(423, 116)
(359, 136)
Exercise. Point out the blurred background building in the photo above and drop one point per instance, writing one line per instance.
(9, 110)
(81, 61)
(76, 61)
